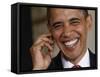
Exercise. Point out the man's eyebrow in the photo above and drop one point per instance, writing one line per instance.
(72, 19)
(55, 23)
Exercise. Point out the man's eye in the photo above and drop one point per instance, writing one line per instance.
(57, 26)
(75, 23)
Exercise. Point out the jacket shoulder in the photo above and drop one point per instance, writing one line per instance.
(93, 60)
(56, 63)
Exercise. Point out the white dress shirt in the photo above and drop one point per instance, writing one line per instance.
(84, 62)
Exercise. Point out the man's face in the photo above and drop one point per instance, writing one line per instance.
(69, 28)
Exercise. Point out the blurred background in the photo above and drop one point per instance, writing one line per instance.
(39, 26)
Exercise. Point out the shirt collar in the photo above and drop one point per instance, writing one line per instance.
(84, 62)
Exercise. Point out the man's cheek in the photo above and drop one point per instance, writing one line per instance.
(57, 35)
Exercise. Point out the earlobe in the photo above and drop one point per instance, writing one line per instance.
(89, 22)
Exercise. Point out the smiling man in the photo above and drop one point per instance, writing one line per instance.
(69, 29)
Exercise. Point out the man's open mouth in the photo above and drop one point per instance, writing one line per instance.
(71, 43)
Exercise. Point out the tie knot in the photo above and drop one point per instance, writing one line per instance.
(76, 66)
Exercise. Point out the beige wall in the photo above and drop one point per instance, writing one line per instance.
(91, 34)
(39, 27)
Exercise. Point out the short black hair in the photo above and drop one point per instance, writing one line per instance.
(84, 11)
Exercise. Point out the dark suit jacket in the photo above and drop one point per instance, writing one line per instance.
(56, 63)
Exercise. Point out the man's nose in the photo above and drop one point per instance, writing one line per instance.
(67, 29)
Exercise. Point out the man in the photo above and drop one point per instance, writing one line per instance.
(69, 29)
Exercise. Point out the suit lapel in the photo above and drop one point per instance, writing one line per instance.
(92, 59)
(56, 63)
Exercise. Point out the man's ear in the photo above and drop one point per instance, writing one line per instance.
(48, 26)
(89, 22)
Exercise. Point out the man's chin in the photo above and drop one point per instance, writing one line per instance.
(70, 57)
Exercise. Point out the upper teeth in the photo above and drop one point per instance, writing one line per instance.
(71, 42)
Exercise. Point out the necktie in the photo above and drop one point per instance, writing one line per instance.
(76, 66)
